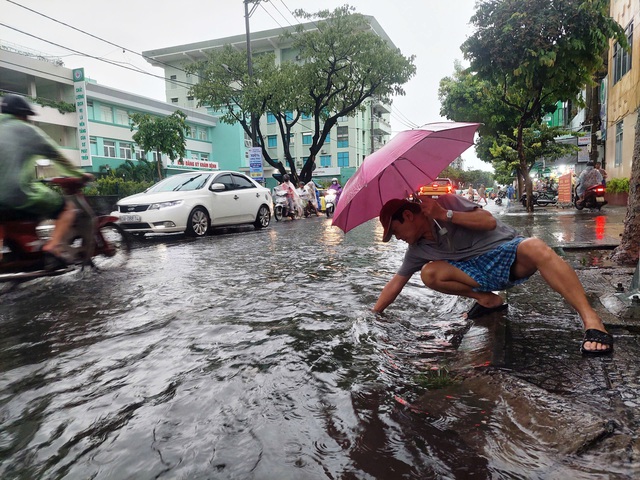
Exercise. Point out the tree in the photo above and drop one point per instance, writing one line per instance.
(628, 251)
(342, 64)
(538, 52)
(160, 134)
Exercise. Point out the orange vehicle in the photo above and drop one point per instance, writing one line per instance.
(439, 186)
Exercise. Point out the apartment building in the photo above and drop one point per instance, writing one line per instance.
(623, 93)
(96, 134)
(349, 142)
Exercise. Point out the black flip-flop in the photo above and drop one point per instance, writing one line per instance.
(598, 336)
(478, 310)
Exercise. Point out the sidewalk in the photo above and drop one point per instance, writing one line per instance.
(585, 407)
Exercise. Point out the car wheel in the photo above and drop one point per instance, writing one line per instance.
(263, 218)
(198, 223)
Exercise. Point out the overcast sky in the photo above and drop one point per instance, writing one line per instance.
(432, 30)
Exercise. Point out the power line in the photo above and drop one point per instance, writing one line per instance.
(176, 82)
(124, 49)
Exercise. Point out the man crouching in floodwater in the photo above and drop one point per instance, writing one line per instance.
(461, 249)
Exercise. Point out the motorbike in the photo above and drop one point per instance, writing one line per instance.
(330, 200)
(93, 241)
(498, 199)
(593, 198)
(281, 208)
(310, 208)
(541, 198)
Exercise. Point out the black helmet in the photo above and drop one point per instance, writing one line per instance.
(16, 105)
(286, 177)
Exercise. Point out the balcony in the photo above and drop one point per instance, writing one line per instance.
(381, 126)
(379, 107)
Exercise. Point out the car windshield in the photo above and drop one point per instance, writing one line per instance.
(439, 181)
(182, 183)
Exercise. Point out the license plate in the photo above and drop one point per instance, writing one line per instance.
(130, 218)
(434, 196)
(599, 199)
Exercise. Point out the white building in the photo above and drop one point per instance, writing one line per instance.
(349, 142)
(94, 131)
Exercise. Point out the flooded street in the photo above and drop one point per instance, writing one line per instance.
(255, 355)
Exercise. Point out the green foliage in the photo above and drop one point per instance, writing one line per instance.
(618, 185)
(161, 134)
(112, 185)
(465, 177)
(62, 106)
(435, 379)
(339, 65)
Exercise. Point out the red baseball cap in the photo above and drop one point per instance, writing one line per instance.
(386, 215)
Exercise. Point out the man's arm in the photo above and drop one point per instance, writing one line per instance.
(476, 219)
(390, 291)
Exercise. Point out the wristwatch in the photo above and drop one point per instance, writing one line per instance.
(449, 214)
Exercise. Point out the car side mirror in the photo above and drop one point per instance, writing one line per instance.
(217, 187)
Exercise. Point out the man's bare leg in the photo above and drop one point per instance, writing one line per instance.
(534, 254)
(445, 278)
(62, 225)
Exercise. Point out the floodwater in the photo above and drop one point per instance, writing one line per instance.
(252, 355)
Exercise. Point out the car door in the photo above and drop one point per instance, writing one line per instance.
(225, 208)
(248, 198)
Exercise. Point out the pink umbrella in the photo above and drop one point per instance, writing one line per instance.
(411, 159)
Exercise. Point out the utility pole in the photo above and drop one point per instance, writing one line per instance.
(248, 14)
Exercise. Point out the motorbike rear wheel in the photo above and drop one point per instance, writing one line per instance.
(117, 250)
(329, 211)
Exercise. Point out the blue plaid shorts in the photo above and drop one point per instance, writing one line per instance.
(492, 269)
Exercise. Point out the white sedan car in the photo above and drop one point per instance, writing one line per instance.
(196, 201)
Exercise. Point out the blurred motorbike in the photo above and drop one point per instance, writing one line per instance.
(93, 241)
(593, 198)
(501, 195)
(330, 200)
(281, 207)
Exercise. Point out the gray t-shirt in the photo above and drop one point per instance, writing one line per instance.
(457, 243)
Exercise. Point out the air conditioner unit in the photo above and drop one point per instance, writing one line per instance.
(248, 143)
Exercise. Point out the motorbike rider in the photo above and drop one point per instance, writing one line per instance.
(335, 185)
(21, 194)
(308, 197)
(589, 177)
(291, 194)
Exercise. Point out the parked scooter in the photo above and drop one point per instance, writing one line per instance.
(281, 207)
(93, 241)
(501, 195)
(593, 198)
(541, 198)
(330, 200)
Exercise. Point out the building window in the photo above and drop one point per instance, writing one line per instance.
(93, 145)
(271, 118)
(328, 139)
(90, 111)
(204, 157)
(122, 117)
(125, 150)
(307, 139)
(288, 116)
(140, 154)
(174, 100)
(109, 148)
(343, 137)
(306, 116)
(155, 156)
(343, 159)
(272, 141)
(618, 158)
(106, 114)
(172, 83)
(622, 58)
(202, 134)
(325, 160)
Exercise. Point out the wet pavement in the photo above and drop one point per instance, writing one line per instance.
(254, 355)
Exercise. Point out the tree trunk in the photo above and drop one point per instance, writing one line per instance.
(627, 252)
(524, 169)
(159, 164)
